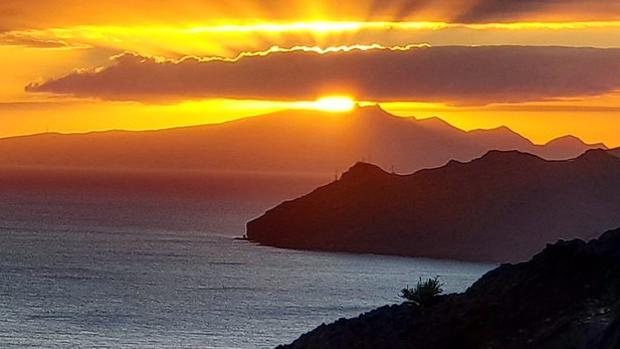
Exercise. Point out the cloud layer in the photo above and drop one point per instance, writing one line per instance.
(507, 10)
(452, 74)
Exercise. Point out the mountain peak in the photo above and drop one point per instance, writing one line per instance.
(566, 140)
(597, 155)
(502, 138)
(362, 170)
(436, 122)
(501, 130)
(508, 156)
(373, 110)
(573, 141)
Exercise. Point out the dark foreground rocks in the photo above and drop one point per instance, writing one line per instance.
(566, 297)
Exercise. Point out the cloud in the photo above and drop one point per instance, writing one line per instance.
(452, 74)
(566, 10)
(12, 38)
(229, 40)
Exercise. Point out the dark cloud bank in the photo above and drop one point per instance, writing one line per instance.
(510, 10)
(458, 75)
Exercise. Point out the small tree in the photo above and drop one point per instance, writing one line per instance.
(424, 293)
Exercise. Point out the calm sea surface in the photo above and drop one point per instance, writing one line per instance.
(88, 265)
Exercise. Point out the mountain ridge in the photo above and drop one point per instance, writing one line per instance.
(492, 208)
(285, 141)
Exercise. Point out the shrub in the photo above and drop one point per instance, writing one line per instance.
(424, 293)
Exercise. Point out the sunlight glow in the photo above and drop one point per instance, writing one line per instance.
(230, 40)
(332, 104)
(316, 26)
(45, 51)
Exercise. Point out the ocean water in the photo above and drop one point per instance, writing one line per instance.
(92, 266)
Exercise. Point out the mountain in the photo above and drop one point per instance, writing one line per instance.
(503, 138)
(288, 141)
(615, 152)
(567, 296)
(501, 207)
(564, 148)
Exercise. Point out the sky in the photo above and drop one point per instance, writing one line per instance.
(545, 68)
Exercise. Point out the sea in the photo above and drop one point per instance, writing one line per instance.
(130, 260)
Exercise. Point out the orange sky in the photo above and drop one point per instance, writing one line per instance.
(44, 40)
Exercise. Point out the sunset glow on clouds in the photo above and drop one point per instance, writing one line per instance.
(455, 75)
(476, 63)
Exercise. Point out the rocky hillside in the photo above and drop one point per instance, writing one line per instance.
(503, 207)
(566, 297)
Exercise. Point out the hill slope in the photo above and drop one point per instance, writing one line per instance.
(502, 207)
(290, 141)
(568, 296)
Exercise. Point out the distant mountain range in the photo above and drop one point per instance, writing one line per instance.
(501, 207)
(289, 141)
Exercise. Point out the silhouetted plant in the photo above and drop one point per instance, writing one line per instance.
(424, 293)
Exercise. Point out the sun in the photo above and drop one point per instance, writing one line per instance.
(335, 104)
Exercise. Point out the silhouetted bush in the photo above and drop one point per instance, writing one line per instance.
(424, 293)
